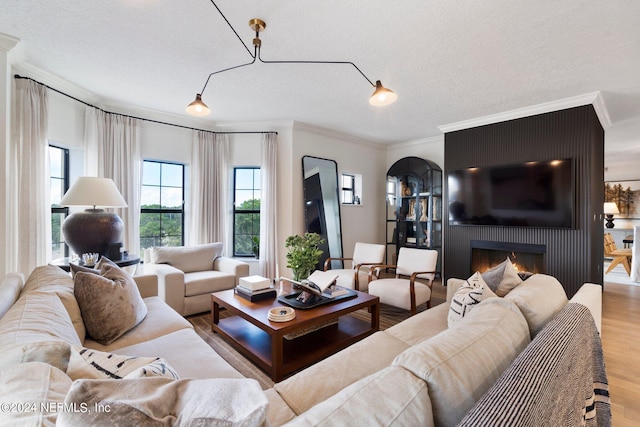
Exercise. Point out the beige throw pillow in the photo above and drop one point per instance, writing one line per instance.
(502, 278)
(110, 303)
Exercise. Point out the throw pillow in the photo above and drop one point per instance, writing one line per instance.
(502, 278)
(110, 303)
(467, 297)
(95, 269)
(93, 364)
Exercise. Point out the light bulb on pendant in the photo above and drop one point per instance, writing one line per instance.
(198, 108)
(382, 96)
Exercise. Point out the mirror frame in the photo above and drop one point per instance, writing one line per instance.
(330, 221)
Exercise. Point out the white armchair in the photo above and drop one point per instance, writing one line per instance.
(187, 275)
(357, 277)
(404, 291)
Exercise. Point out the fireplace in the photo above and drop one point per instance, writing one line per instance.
(526, 257)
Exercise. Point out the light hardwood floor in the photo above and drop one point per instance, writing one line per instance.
(621, 344)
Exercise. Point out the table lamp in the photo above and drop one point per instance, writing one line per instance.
(93, 230)
(610, 208)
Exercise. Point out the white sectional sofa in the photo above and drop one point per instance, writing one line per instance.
(418, 372)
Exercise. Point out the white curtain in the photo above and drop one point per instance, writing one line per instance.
(209, 216)
(29, 205)
(113, 150)
(268, 207)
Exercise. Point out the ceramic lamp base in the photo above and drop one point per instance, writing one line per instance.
(92, 231)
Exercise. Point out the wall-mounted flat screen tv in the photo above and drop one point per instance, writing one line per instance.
(531, 194)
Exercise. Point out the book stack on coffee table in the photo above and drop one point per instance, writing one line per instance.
(255, 288)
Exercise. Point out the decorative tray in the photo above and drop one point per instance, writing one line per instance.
(290, 299)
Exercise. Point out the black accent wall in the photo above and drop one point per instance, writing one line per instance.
(573, 256)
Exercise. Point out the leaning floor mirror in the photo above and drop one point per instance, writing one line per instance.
(322, 206)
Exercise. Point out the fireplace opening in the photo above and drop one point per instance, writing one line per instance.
(525, 257)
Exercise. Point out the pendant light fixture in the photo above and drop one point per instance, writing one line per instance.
(381, 96)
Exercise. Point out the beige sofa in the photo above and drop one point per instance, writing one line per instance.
(418, 372)
(187, 275)
(41, 318)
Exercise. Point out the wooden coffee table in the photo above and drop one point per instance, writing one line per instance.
(250, 332)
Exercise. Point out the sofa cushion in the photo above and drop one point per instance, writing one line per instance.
(328, 377)
(540, 298)
(161, 401)
(110, 302)
(392, 396)
(467, 297)
(200, 362)
(205, 282)
(278, 411)
(188, 258)
(38, 388)
(9, 291)
(460, 364)
(49, 278)
(422, 326)
(502, 278)
(37, 316)
(54, 353)
(160, 320)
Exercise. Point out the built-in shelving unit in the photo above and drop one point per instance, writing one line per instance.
(414, 207)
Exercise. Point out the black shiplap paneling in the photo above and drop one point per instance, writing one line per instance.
(573, 256)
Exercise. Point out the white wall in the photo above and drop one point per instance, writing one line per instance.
(428, 149)
(362, 223)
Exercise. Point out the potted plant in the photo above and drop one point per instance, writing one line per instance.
(303, 254)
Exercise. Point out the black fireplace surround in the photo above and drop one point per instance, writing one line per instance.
(526, 257)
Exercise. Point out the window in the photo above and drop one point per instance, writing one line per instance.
(351, 189)
(246, 210)
(162, 204)
(59, 183)
(348, 189)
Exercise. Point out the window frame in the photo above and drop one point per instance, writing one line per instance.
(61, 209)
(161, 210)
(348, 190)
(242, 211)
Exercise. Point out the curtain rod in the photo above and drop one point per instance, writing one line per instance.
(17, 76)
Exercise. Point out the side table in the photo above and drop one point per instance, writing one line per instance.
(130, 260)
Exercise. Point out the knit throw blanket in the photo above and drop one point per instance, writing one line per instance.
(559, 379)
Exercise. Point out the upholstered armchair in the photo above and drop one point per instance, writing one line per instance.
(357, 277)
(187, 275)
(404, 290)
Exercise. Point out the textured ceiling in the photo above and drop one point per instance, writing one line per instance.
(448, 61)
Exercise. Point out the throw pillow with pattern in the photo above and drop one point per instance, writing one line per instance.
(467, 297)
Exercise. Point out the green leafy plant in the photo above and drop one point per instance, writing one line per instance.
(303, 254)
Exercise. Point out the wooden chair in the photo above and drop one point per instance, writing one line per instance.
(619, 256)
(356, 277)
(403, 292)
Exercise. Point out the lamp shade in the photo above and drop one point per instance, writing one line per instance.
(93, 191)
(382, 96)
(94, 230)
(197, 107)
(611, 208)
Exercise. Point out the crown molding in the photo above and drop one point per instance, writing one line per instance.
(25, 69)
(317, 130)
(438, 139)
(594, 98)
(8, 42)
